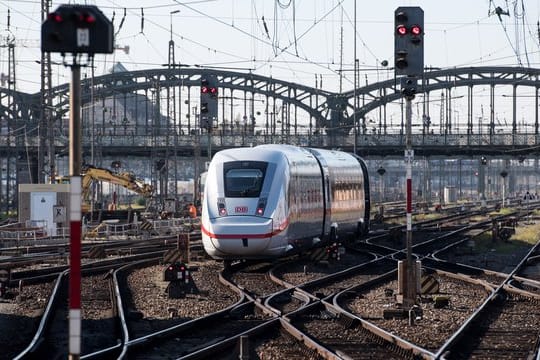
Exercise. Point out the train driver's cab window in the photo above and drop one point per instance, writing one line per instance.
(244, 181)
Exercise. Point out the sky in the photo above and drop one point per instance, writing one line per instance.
(298, 40)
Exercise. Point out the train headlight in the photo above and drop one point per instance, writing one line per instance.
(260, 207)
(221, 209)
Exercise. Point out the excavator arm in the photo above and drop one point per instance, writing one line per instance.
(124, 179)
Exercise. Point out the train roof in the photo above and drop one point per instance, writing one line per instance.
(271, 152)
(277, 152)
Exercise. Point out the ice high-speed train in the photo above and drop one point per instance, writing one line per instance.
(269, 200)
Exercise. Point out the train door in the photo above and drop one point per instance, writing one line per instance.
(327, 205)
(367, 196)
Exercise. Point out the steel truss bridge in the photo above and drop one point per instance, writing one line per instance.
(153, 114)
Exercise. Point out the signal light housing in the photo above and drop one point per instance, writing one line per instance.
(77, 29)
(484, 160)
(409, 41)
(209, 105)
(175, 272)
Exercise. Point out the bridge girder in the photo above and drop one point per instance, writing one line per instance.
(438, 80)
(330, 110)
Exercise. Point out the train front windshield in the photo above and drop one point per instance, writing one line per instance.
(244, 178)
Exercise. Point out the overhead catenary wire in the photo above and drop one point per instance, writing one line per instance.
(281, 49)
(499, 12)
(163, 27)
(315, 23)
(520, 17)
(121, 23)
(142, 20)
(287, 27)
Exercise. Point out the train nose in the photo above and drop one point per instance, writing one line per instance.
(241, 234)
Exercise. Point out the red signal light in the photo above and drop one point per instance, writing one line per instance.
(84, 18)
(56, 17)
(416, 30)
(88, 18)
(205, 90)
(401, 30)
(213, 90)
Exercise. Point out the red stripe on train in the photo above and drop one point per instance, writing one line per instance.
(281, 228)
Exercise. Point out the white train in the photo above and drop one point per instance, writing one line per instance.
(269, 200)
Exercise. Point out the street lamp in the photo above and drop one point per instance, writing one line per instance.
(171, 15)
(171, 60)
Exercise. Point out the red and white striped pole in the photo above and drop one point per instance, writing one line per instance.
(75, 268)
(75, 228)
(410, 284)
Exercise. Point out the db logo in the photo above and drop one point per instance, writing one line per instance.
(241, 209)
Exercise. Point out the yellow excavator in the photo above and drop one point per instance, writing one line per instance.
(124, 179)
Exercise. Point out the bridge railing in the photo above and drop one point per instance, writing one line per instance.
(301, 139)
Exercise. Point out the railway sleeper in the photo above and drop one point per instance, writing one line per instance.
(347, 322)
(402, 352)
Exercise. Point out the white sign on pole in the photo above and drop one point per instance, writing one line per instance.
(59, 214)
(83, 37)
(409, 156)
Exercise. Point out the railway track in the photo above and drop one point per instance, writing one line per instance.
(312, 309)
(344, 337)
(98, 325)
(508, 329)
(505, 325)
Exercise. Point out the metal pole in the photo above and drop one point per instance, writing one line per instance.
(503, 189)
(209, 144)
(410, 288)
(355, 84)
(75, 130)
(75, 151)
(197, 155)
(93, 120)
